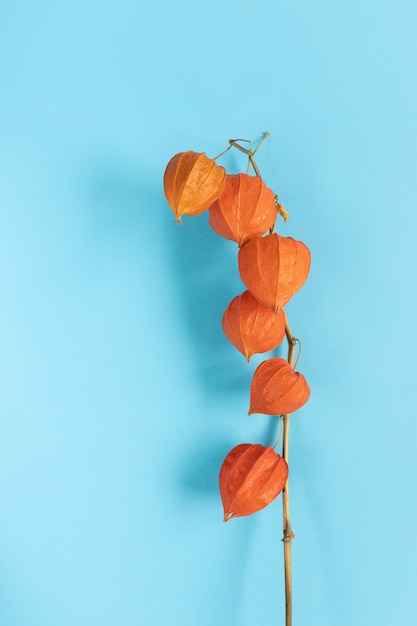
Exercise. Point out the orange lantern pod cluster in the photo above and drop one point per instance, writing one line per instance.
(250, 478)
(273, 268)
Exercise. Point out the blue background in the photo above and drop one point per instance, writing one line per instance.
(120, 396)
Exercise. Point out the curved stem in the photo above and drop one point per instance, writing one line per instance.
(292, 341)
(288, 533)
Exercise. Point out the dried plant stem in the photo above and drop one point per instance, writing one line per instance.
(249, 151)
(288, 533)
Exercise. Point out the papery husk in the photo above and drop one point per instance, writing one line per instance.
(274, 268)
(192, 182)
(250, 478)
(252, 327)
(276, 389)
(246, 208)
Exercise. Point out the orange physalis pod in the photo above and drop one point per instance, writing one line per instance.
(274, 268)
(252, 327)
(192, 182)
(246, 208)
(276, 389)
(250, 478)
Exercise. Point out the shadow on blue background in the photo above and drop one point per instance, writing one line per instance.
(206, 278)
(204, 270)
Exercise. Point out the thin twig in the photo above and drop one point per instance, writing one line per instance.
(265, 136)
(255, 167)
(222, 153)
(279, 433)
(233, 142)
(299, 353)
(249, 151)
